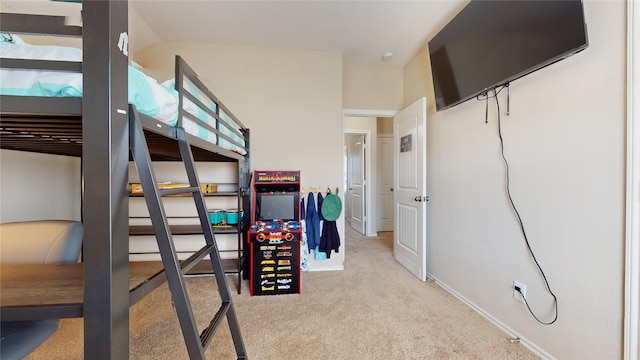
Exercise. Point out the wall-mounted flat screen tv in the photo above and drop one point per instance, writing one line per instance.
(491, 43)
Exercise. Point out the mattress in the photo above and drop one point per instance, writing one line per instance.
(159, 101)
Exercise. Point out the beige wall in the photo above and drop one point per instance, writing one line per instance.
(565, 143)
(385, 125)
(47, 189)
(291, 100)
(372, 87)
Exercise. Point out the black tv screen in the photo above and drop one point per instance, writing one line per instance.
(491, 43)
(277, 206)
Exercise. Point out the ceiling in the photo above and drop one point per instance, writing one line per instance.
(362, 30)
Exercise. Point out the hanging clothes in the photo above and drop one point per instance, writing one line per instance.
(304, 250)
(319, 254)
(330, 238)
(320, 199)
(313, 223)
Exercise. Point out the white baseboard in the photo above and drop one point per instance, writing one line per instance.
(510, 332)
(327, 268)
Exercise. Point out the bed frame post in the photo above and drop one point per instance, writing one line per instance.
(105, 177)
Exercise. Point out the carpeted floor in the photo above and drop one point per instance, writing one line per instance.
(374, 309)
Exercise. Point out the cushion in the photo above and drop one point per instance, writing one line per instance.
(45, 241)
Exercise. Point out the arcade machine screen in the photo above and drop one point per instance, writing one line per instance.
(277, 207)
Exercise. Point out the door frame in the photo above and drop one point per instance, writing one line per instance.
(370, 200)
(632, 242)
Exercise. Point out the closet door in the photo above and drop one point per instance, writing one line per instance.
(385, 184)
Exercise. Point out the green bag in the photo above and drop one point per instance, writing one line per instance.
(331, 206)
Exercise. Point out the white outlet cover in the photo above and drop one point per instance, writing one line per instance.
(523, 289)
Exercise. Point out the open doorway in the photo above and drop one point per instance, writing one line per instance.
(385, 179)
(362, 125)
(357, 178)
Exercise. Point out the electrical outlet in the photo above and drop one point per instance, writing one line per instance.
(523, 291)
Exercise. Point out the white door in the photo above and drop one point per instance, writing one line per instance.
(410, 155)
(357, 182)
(347, 181)
(385, 184)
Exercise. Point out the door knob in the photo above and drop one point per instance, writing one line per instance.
(391, 189)
(418, 198)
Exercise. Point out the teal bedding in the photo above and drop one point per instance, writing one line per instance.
(159, 101)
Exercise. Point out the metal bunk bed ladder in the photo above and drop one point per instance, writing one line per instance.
(174, 268)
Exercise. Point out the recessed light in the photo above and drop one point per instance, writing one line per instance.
(387, 56)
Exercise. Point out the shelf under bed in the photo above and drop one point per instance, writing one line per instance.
(27, 124)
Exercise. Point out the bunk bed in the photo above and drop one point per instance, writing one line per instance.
(95, 128)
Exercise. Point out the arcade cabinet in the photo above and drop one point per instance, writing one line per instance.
(275, 234)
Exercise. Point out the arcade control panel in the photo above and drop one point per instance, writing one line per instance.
(277, 230)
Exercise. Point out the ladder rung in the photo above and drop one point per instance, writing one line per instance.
(176, 191)
(188, 263)
(206, 334)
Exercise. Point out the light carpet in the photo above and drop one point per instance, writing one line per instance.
(374, 309)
